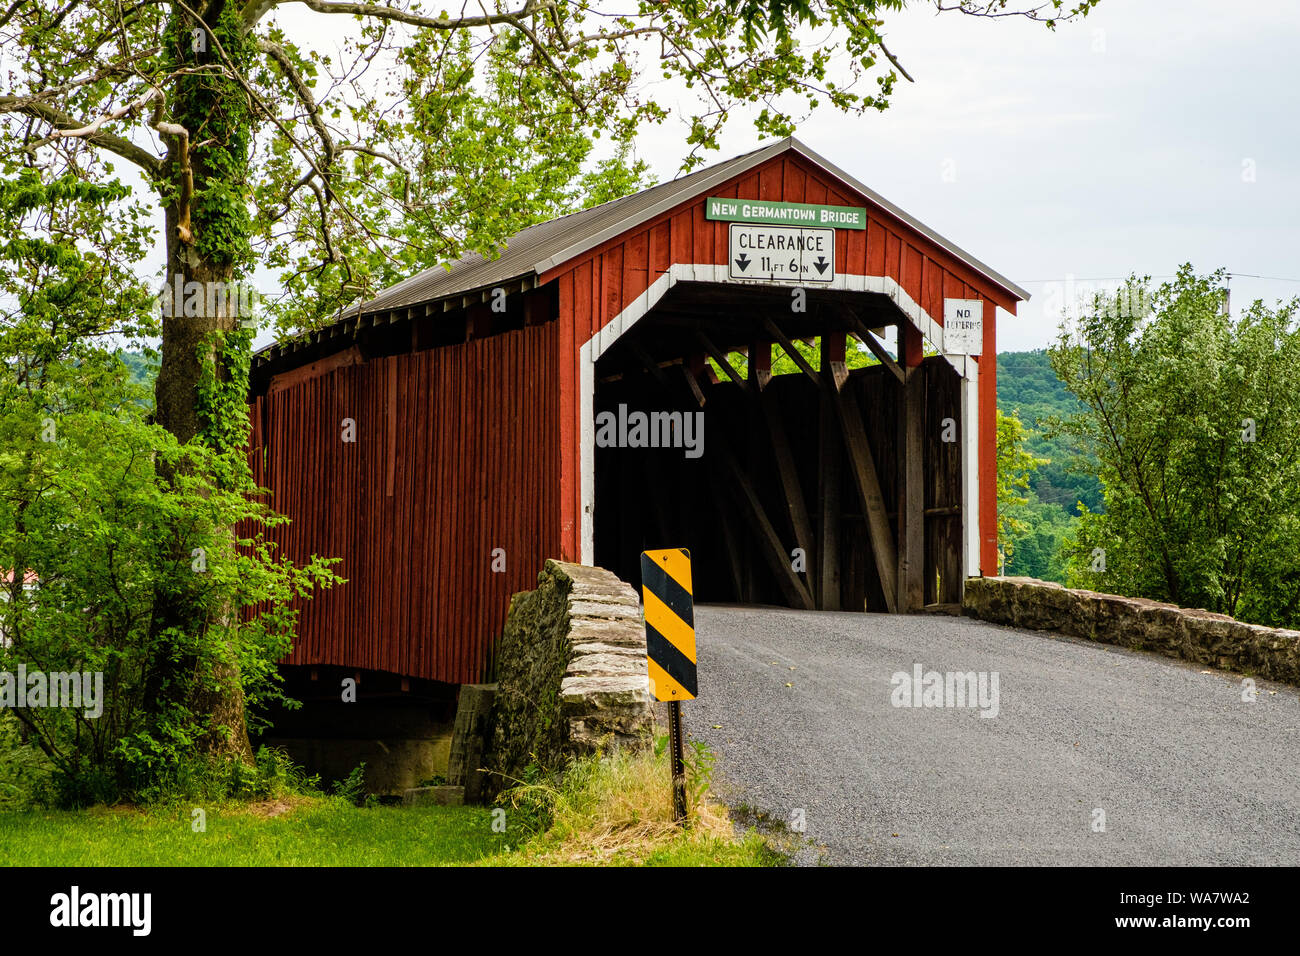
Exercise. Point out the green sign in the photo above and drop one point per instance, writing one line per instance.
(784, 213)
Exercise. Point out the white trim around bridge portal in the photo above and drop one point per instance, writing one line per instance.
(603, 340)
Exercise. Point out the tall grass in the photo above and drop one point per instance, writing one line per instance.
(617, 808)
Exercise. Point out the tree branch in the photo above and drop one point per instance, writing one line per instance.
(90, 132)
(998, 8)
(898, 66)
(555, 68)
(303, 91)
(382, 12)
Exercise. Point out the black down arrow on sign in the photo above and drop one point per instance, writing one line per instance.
(821, 264)
(742, 262)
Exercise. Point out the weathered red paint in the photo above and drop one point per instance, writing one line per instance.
(596, 286)
(988, 445)
(461, 449)
(456, 454)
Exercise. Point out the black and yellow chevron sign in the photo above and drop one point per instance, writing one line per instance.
(669, 622)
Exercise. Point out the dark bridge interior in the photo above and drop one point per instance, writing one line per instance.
(825, 460)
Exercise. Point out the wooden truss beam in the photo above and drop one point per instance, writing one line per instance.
(829, 496)
(877, 349)
(791, 487)
(873, 505)
(724, 363)
(790, 350)
(774, 552)
(911, 493)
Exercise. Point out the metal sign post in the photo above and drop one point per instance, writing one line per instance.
(670, 648)
(679, 760)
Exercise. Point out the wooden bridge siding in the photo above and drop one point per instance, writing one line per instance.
(456, 454)
(597, 286)
(944, 572)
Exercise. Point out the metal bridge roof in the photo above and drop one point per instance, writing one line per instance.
(542, 247)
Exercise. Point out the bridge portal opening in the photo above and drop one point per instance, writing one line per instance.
(804, 483)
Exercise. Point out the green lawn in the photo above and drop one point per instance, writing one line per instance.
(316, 833)
(326, 832)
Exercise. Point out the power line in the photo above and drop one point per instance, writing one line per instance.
(1230, 275)
(1248, 275)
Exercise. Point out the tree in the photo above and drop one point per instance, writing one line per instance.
(1015, 467)
(94, 538)
(429, 135)
(1028, 386)
(1195, 419)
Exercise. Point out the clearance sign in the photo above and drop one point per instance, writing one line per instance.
(784, 213)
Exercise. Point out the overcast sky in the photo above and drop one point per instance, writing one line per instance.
(1150, 134)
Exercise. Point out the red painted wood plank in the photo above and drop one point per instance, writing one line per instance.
(660, 249)
(855, 251)
(875, 248)
(814, 190)
(702, 233)
(893, 254)
(794, 179)
(910, 272)
(635, 266)
(682, 240)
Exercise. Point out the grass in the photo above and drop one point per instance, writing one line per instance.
(302, 832)
(613, 810)
(617, 810)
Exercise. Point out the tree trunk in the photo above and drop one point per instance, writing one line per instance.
(186, 351)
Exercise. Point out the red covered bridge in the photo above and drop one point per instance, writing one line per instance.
(447, 437)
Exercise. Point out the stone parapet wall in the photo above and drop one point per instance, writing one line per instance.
(1200, 637)
(571, 674)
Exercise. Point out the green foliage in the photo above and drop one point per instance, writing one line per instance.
(856, 355)
(616, 807)
(352, 788)
(306, 832)
(143, 367)
(1037, 548)
(1015, 466)
(272, 775)
(1029, 388)
(84, 510)
(1194, 417)
(152, 558)
(25, 772)
(210, 102)
(1065, 481)
(531, 802)
(699, 770)
(410, 143)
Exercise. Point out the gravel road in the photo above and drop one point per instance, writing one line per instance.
(797, 706)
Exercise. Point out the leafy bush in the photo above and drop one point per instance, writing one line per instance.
(24, 771)
(123, 552)
(352, 788)
(1194, 416)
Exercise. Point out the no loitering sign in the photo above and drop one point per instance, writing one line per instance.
(963, 326)
(780, 253)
